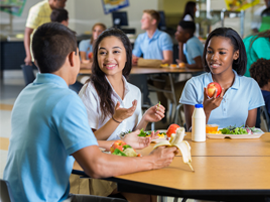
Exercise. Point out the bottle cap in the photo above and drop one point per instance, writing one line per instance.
(198, 105)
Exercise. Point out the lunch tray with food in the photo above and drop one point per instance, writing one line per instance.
(233, 132)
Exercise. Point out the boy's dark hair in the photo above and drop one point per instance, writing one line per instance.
(189, 9)
(59, 15)
(188, 26)
(51, 44)
(260, 71)
(238, 65)
(98, 78)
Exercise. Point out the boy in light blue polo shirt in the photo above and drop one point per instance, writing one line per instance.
(190, 47)
(50, 129)
(153, 44)
(152, 48)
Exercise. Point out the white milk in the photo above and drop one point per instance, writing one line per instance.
(198, 124)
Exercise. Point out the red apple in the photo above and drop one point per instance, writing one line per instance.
(212, 87)
(90, 55)
(172, 129)
(118, 144)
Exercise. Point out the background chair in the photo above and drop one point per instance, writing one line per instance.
(265, 118)
(141, 82)
(178, 116)
(5, 192)
(76, 86)
(28, 74)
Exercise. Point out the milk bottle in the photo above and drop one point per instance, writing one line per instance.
(198, 124)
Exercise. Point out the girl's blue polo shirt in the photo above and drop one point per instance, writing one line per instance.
(152, 48)
(242, 96)
(86, 47)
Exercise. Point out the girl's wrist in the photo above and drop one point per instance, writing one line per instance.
(116, 120)
(207, 112)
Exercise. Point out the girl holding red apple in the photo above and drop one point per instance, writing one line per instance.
(224, 60)
(86, 46)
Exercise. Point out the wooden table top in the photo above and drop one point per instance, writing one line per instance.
(211, 173)
(150, 70)
(224, 169)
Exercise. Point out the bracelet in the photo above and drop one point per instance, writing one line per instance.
(116, 120)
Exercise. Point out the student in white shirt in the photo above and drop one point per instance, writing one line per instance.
(113, 105)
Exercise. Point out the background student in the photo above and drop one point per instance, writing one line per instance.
(153, 44)
(257, 46)
(38, 15)
(260, 71)
(257, 17)
(60, 15)
(225, 61)
(190, 47)
(189, 12)
(54, 128)
(86, 46)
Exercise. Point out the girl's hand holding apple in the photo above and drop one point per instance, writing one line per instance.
(212, 103)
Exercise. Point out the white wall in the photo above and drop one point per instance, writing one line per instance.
(89, 12)
(84, 14)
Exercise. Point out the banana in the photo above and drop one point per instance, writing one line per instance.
(178, 141)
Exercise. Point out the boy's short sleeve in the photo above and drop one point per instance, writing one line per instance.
(191, 94)
(137, 50)
(166, 42)
(72, 125)
(257, 97)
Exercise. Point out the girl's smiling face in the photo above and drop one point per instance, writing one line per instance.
(111, 56)
(220, 54)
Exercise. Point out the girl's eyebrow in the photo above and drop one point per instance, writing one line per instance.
(116, 47)
(218, 48)
(112, 47)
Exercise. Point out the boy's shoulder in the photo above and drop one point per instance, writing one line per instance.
(162, 34)
(193, 40)
(40, 5)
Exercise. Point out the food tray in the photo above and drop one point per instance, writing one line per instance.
(234, 136)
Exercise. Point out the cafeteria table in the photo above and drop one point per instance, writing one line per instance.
(225, 170)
